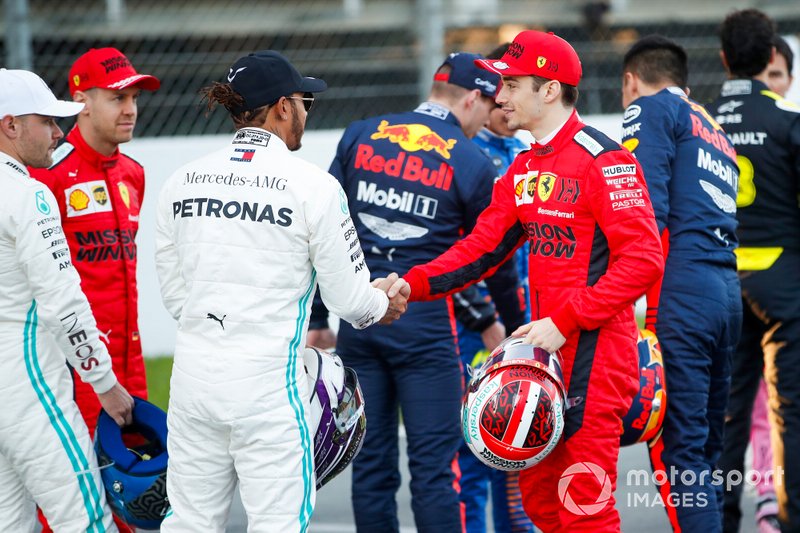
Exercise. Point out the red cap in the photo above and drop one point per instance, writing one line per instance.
(107, 68)
(535, 53)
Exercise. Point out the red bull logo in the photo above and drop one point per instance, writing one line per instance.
(405, 166)
(413, 137)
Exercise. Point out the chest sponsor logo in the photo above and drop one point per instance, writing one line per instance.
(124, 193)
(545, 186)
(525, 187)
(232, 210)
(587, 142)
(618, 170)
(404, 201)
(413, 137)
(555, 213)
(729, 107)
(81, 199)
(405, 166)
(725, 202)
(631, 144)
(105, 245)
(393, 231)
(243, 155)
(100, 194)
(42, 204)
(714, 136)
(568, 190)
(718, 167)
(633, 129)
(551, 240)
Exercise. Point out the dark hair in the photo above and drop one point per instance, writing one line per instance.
(783, 48)
(656, 59)
(747, 41)
(498, 52)
(569, 93)
(224, 95)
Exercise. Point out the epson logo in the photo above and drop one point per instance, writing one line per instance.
(491, 87)
(405, 201)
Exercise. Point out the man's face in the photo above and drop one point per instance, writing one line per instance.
(778, 78)
(479, 117)
(38, 138)
(521, 104)
(112, 114)
(498, 122)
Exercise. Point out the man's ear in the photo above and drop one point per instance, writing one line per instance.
(553, 92)
(9, 126)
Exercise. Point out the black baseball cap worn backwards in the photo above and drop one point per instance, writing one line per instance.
(261, 78)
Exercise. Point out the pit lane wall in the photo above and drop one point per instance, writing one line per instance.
(163, 155)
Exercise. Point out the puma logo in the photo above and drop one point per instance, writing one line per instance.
(213, 317)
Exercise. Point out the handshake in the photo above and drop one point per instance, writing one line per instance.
(398, 292)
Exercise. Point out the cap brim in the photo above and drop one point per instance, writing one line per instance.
(498, 66)
(60, 108)
(313, 85)
(143, 81)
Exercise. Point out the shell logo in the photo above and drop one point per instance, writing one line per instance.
(78, 200)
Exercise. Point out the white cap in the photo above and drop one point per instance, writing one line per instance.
(25, 93)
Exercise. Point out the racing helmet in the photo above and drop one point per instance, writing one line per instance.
(513, 409)
(644, 419)
(133, 465)
(337, 413)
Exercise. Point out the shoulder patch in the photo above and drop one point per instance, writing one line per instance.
(782, 103)
(595, 142)
(61, 153)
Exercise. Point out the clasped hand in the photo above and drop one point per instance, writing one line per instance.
(398, 292)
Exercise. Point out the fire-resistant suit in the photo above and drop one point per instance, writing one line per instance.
(99, 199)
(765, 130)
(691, 173)
(580, 201)
(46, 454)
(243, 236)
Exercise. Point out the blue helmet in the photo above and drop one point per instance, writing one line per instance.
(133, 465)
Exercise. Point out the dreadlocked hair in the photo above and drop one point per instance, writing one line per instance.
(224, 95)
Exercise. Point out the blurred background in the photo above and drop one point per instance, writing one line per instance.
(377, 55)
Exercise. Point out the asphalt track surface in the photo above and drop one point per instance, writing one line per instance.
(637, 503)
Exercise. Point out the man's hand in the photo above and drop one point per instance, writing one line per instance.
(398, 292)
(542, 333)
(118, 404)
(324, 339)
(493, 335)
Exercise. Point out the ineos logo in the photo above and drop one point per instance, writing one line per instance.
(587, 509)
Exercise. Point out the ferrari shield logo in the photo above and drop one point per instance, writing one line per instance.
(540, 61)
(531, 185)
(545, 186)
(124, 194)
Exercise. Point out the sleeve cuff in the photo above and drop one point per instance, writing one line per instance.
(565, 321)
(106, 383)
(418, 283)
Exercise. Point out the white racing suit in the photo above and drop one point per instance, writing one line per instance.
(243, 237)
(46, 454)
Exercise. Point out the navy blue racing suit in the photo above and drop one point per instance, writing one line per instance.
(415, 185)
(691, 173)
(476, 478)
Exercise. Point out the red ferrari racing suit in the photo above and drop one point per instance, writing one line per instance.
(581, 202)
(99, 198)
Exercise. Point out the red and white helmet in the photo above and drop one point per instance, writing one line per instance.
(513, 411)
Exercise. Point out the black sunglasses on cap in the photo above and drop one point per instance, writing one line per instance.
(307, 98)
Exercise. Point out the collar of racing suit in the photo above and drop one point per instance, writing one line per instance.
(8, 161)
(557, 138)
(89, 154)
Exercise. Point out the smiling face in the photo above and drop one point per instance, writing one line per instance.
(109, 117)
(521, 102)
